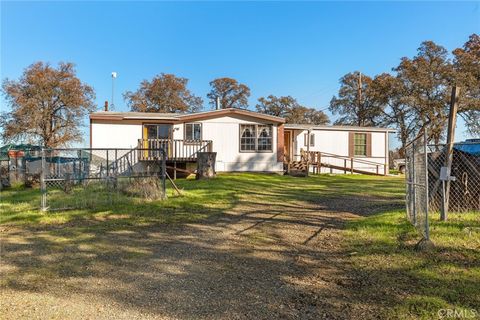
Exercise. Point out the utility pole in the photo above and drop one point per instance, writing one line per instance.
(452, 120)
(360, 111)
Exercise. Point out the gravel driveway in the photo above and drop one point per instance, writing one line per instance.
(255, 261)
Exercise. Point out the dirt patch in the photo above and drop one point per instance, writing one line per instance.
(256, 261)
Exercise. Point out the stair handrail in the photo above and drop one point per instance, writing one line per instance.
(332, 155)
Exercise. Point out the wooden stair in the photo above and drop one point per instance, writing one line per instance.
(297, 168)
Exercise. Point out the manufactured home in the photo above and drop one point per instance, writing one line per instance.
(243, 140)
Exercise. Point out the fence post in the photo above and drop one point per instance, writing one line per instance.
(427, 228)
(452, 119)
(108, 173)
(43, 186)
(414, 196)
(164, 174)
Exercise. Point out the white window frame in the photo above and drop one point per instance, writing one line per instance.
(257, 128)
(193, 124)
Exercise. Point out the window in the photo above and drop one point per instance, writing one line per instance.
(256, 138)
(360, 144)
(312, 139)
(157, 131)
(264, 138)
(193, 131)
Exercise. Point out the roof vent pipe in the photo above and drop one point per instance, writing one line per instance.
(217, 103)
(106, 105)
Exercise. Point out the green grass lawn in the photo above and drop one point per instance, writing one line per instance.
(380, 244)
(200, 200)
(447, 277)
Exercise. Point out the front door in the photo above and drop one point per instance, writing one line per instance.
(287, 145)
(157, 136)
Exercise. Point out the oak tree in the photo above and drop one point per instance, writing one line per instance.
(287, 107)
(276, 106)
(355, 103)
(232, 94)
(164, 93)
(390, 93)
(467, 75)
(427, 79)
(47, 105)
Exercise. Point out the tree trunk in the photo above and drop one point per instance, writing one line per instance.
(206, 165)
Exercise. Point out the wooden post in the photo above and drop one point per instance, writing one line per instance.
(320, 162)
(351, 165)
(174, 170)
(387, 155)
(308, 150)
(164, 173)
(452, 120)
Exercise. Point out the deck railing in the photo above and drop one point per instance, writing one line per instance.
(175, 149)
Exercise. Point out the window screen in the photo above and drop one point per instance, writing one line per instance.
(312, 139)
(264, 138)
(256, 138)
(193, 131)
(360, 144)
(247, 137)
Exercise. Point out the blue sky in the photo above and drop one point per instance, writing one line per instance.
(280, 48)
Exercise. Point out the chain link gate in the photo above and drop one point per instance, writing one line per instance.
(416, 177)
(92, 177)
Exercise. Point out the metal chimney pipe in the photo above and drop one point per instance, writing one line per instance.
(217, 103)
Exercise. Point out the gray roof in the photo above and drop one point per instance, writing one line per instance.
(181, 116)
(140, 115)
(334, 127)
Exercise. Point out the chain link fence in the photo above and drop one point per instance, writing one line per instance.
(437, 183)
(92, 178)
(457, 190)
(416, 177)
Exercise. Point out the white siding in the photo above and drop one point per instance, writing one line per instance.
(336, 142)
(223, 131)
(105, 135)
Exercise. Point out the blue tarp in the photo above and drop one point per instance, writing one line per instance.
(472, 148)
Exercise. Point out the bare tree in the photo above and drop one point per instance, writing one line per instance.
(164, 93)
(232, 94)
(47, 105)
